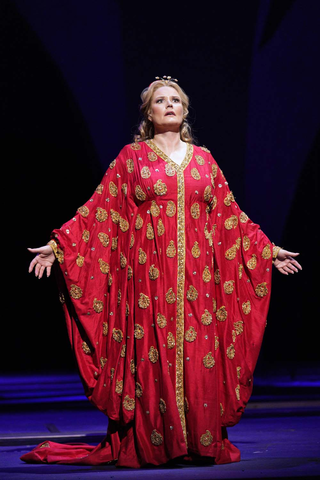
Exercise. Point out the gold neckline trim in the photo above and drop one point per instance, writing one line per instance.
(161, 154)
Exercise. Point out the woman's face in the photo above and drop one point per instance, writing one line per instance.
(166, 110)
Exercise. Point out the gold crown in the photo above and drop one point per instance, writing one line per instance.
(167, 79)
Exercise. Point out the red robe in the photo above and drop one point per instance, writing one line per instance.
(165, 285)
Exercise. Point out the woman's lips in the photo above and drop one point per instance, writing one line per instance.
(170, 113)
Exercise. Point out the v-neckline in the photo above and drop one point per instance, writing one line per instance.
(166, 158)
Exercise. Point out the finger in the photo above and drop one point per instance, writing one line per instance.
(292, 254)
(281, 270)
(37, 269)
(48, 271)
(297, 264)
(32, 264)
(41, 270)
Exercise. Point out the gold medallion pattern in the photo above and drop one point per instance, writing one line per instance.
(117, 335)
(153, 354)
(138, 331)
(75, 292)
(171, 209)
(195, 174)
(161, 320)
(206, 318)
(156, 438)
(192, 293)
(171, 340)
(190, 334)
(208, 360)
(171, 250)
(144, 301)
(101, 214)
(222, 314)
(195, 210)
(160, 188)
(206, 439)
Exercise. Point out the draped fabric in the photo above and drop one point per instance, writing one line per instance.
(165, 285)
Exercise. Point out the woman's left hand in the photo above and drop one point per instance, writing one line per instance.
(286, 263)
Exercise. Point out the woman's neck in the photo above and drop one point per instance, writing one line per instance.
(168, 142)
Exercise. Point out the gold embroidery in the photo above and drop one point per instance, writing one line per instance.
(115, 216)
(104, 266)
(217, 277)
(196, 250)
(119, 296)
(206, 275)
(190, 334)
(170, 170)
(80, 260)
(186, 405)
(170, 340)
(153, 272)
(110, 280)
(199, 159)
(97, 305)
(208, 360)
(145, 172)
(152, 156)
(123, 351)
(160, 228)
(231, 351)
(103, 362)
(205, 149)
(84, 211)
(105, 328)
(170, 296)
(156, 438)
(243, 217)
(229, 198)
(99, 189)
(214, 305)
(62, 298)
(130, 165)
(234, 335)
(171, 250)
(85, 236)
(123, 224)
(135, 146)
(139, 222)
(221, 410)
(161, 320)
(266, 252)
(252, 263)
(45, 445)
(206, 318)
(153, 354)
(129, 403)
(261, 289)
(231, 222)
(101, 214)
(231, 253)
(206, 439)
(240, 271)
(75, 292)
(222, 314)
(124, 189)
(214, 170)
(132, 367)
(139, 390)
(237, 390)
(131, 240)
(117, 335)
(127, 307)
(86, 348)
(142, 256)
(246, 307)
(195, 174)
(238, 372)
(207, 193)
(162, 406)
(154, 209)
(171, 209)
(144, 301)
(138, 331)
(150, 232)
(160, 187)
(192, 293)
(246, 243)
(228, 286)
(195, 210)
(238, 326)
(216, 343)
(113, 163)
(119, 386)
(113, 189)
(123, 260)
(104, 239)
(140, 193)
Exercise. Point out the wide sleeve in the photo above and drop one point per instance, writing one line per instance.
(242, 257)
(95, 283)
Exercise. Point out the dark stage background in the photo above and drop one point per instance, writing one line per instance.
(72, 73)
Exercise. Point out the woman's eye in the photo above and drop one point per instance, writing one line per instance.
(177, 100)
(159, 100)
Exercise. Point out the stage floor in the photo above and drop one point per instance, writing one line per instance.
(278, 436)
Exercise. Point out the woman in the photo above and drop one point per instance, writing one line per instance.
(165, 285)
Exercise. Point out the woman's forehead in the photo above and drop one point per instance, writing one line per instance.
(165, 91)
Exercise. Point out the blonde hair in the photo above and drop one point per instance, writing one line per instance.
(146, 128)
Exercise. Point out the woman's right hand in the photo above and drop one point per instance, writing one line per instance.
(42, 261)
